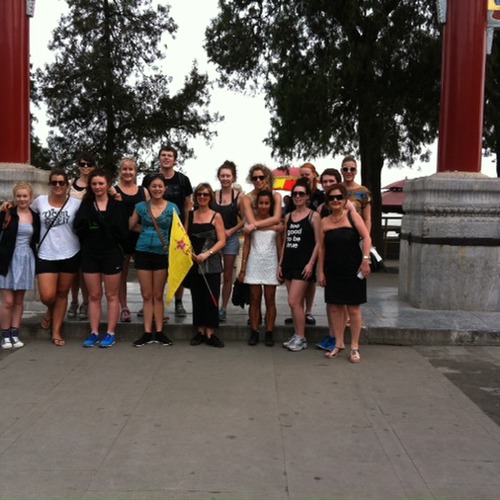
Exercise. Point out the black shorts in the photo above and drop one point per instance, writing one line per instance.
(69, 266)
(105, 263)
(148, 261)
(296, 274)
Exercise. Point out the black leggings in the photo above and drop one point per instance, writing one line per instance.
(205, 312)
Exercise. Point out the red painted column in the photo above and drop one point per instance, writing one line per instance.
(14, 82)
(462, 86)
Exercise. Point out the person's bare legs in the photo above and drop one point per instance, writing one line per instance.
(64, 282)
(296, 291)
(94, 287)
(227, 283)
(270, 299)
(309, 298)
(112, 291)
(159, 281)
(254, 310)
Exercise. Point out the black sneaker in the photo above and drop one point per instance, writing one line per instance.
(162, 339)
(197, 339)
(254, 338)
(214, 341)
(147, 338)
(269, 340)
(288, 321)
(310, 319)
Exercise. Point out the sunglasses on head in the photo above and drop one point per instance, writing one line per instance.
(57, 183)
(299, 194)
(84, 164)
(258, 177)
(203, 195)
(349, 169)
(335, 197)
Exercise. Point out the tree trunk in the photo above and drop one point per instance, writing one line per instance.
(372, 162)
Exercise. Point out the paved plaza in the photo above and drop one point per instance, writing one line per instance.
(256, 422)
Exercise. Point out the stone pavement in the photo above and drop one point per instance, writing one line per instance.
(243, 422)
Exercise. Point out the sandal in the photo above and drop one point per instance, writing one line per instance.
(58, 342)
(355, 357)
(336, 352)
(46, 323)
(125, 316)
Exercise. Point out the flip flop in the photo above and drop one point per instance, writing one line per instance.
(58, 342)
(336, 352)
(354, 357)
(46, 323)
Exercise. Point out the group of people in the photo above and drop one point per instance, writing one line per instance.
(83, 234)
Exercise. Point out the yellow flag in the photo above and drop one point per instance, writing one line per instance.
(493, 5)
(179, 257)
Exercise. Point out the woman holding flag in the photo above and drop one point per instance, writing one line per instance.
(154, 220)
(208, 237)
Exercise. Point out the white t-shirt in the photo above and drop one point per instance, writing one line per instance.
(61, 242)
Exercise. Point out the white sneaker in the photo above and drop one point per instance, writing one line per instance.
(6, 342)
(16, 343)
(298, 344)
(290, 340)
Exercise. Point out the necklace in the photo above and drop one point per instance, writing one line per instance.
(336, 219)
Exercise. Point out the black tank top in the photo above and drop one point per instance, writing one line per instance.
(299, 244)
(229, 213)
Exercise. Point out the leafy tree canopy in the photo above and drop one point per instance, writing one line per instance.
(105, 91)
(339, 76)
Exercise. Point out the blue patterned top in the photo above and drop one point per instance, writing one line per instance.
(149, 241)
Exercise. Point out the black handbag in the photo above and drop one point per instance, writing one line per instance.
(241, 294)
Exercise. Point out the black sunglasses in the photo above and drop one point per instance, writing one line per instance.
(84, 164)
(349, 169)
(335, 197)
(57, 183)
(203, 195)
(258, 177)
(299, 194)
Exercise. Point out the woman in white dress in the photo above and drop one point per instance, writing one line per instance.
(259, 267)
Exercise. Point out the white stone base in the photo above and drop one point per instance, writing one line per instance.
(10, 173)
(450, 243)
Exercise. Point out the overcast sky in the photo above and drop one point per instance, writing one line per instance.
(246, 122)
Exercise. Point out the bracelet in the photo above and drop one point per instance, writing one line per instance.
(366, 257)
(211, 252)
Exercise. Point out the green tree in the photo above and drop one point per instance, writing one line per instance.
(339, 76)
(106, 93)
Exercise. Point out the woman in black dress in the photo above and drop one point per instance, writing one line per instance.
(343, 268)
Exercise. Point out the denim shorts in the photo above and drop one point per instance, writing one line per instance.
(232, 245)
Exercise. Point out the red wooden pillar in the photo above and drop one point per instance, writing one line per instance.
(462, 86)
(14, 82)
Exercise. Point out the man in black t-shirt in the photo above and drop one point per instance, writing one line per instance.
(179, 191)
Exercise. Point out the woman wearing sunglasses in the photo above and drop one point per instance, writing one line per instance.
(343, 269)
(298, 259)
(208, 237)
(86, 164)
(58, 253)
(359, 195)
